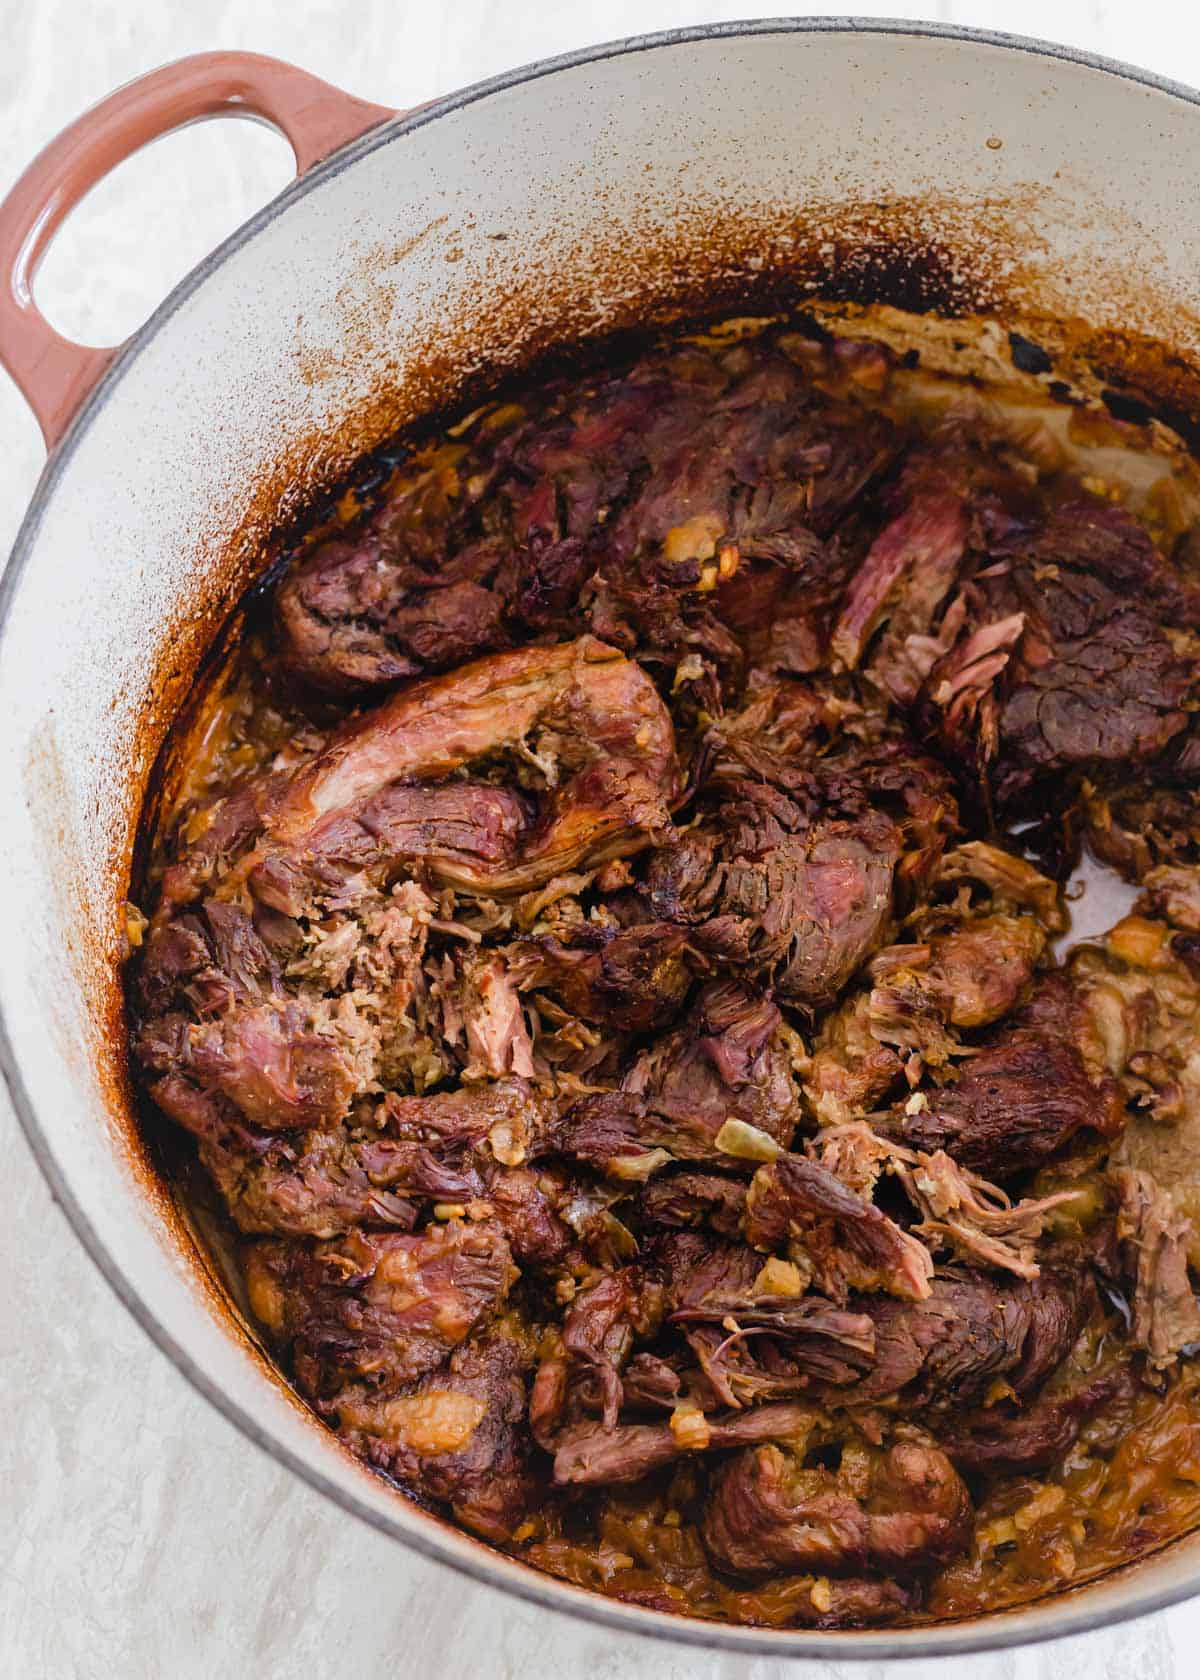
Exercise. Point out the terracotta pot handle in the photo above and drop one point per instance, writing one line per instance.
(53, 373)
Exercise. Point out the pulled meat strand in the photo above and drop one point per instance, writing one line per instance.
(598, 1453)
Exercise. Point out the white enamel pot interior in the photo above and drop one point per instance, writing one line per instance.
(580, 193)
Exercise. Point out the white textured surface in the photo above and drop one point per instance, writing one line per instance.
(141, 1535)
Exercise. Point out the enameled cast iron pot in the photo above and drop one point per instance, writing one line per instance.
(978, 176)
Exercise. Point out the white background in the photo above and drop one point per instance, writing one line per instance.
(140, 1535)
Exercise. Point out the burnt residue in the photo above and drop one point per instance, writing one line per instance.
(1028, 357)
(917, 276)
(1150, 382)
(1147, 378)
(1122, 405)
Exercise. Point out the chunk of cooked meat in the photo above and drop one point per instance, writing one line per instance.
(803, 846)
(726, 1297)
(459, 830)
(1105, 698)
(225, 1012)
(396, 595)
(699, 1270)
(817, 907)
(348, 620)
(960, 974)
(599, 724)
(606, 746)
(979, 972)
(955, 496)
(634, 979)
(1142, 826)
(727, 1063)
(964, 972)
(601, 1323)
(766, 1512)
(851, 1067)
(507, 1115)
(689, 1199)
(1084, 612)
(800, 1345)
(533, 1209)
(856, 1154)
(839, 1239)
(320, 1183)
(459, 1438)
(383, 1307)
(949, 1349)
(1022, 1096)
(219, 1019)
(276, 1071)
(331, 1008)
(922, 548)
(494, 1026)
(928, 1357)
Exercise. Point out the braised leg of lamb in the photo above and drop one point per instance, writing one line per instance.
(603, 948)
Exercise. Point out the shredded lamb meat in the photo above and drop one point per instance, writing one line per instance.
(602, 948)
(1166, 1317)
